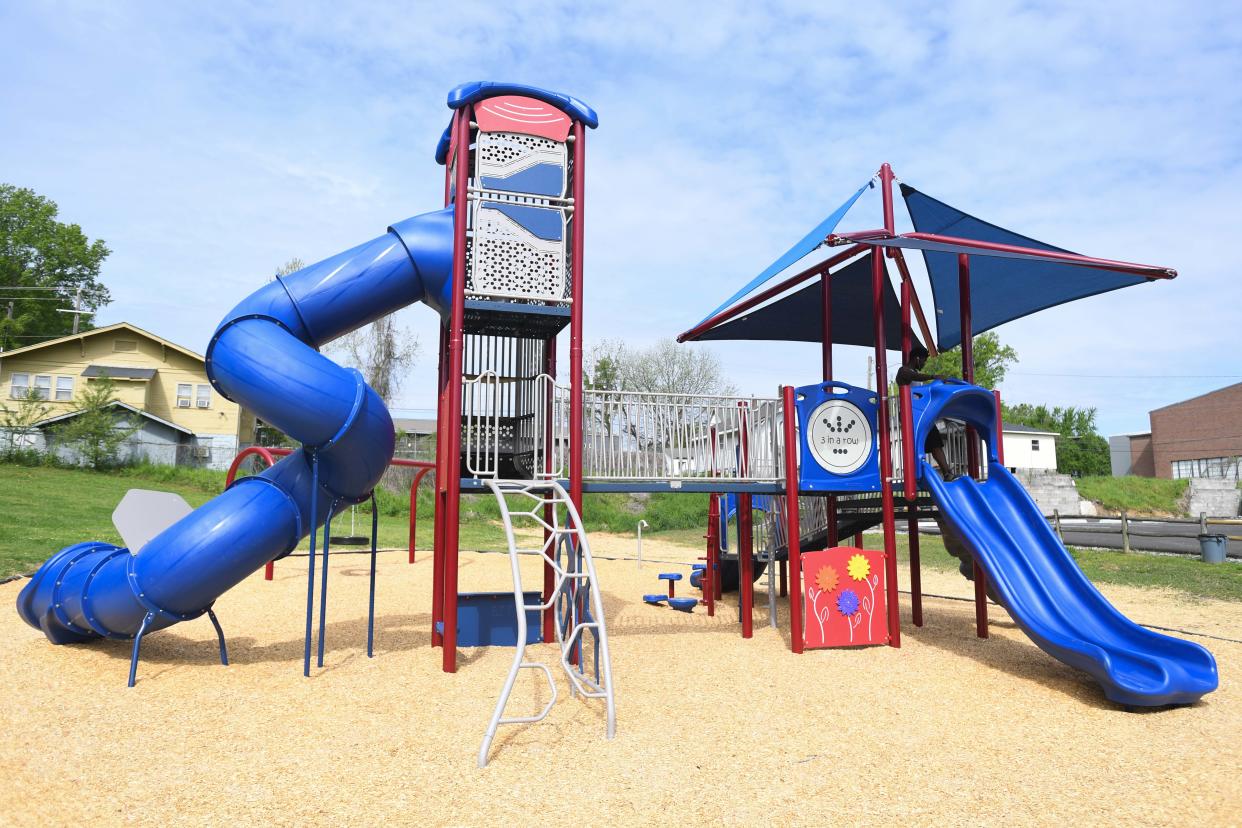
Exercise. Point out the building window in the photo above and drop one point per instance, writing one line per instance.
(19, 386)
(124, 346)
(1229, 468)
(203, 400)
(184, 392)
(43, 386)
(1034, 445)
(64, 389)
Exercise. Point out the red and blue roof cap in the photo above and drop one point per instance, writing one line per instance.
(512, 103)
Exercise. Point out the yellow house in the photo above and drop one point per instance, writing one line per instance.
(183, 419)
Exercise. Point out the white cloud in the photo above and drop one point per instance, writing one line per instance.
(208, 144)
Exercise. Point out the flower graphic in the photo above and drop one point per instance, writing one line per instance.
(858, 567)
(826, 579)
(847, 602)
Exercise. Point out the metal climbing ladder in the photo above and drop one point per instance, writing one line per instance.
(575, 600)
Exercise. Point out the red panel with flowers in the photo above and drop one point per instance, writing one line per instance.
(845, 604)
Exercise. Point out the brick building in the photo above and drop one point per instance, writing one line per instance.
(1199, 437)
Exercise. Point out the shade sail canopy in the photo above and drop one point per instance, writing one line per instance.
(798, 317)
(1004, 285)
(805, 246)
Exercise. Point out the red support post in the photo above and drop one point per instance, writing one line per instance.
(575, 319)
(418, 478)
(878, 285)
(825, 347)
(440, 491)
(792, 529)
(972, 444)
(549, 577)
(1000, 429)
(886, 197)
(745, 534)
(712, 556)
(452, 526)
(909, 462)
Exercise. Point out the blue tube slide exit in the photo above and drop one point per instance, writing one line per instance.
(263, 356)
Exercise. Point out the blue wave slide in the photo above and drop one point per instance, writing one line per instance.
(1039, 582)
(264, 356)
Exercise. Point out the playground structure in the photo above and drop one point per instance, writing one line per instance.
(502, 263)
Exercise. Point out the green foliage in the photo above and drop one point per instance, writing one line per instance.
(1136, 495)
(18, 422)
(992, 361)
(37, 251)
(1081, 451)
(98, 429)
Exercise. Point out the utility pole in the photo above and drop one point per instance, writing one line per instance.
(77, 310)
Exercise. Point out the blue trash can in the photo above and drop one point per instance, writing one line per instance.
(1212, 548)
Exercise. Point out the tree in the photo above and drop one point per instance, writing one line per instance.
(992, 361)
(292, 266)
(1081, 450)
(45, 266)
(19, 422)
(666, 368)
(97, 430)
(383, 351)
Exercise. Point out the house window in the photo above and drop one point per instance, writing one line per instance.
(124, 346)
(43, 386)
(184, 391)
(64, 388)
(19, 386)
(203, 400)
(1034, 445)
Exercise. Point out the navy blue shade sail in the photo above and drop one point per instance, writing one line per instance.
(798, 317)
(1003, 287)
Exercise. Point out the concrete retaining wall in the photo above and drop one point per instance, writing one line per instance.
(1051, 490)
(1216, 498)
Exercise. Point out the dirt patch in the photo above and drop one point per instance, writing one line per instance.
(947, 730)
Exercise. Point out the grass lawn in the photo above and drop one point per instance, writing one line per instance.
(1136, 495)
(45, 509)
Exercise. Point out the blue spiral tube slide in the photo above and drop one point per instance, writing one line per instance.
(263, 356)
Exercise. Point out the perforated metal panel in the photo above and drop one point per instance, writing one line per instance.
(527, 164)
(509, 260)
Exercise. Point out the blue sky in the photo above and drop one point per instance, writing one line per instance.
(208, 143)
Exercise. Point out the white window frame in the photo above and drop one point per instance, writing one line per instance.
(68, 392)
(16, 391)
(44, 389)
(187, 394)
(202, 396)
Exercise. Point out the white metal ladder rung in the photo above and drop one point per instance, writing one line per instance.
(572, 582)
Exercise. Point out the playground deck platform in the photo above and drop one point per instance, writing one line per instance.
(948, 730)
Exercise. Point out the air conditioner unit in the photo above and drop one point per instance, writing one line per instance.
(204, 403)
(183, 403)
(202, 452)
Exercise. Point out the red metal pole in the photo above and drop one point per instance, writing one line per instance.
(972, 446)
(709, 572)
(549, 577)
(910, 463)
(886, 196)
(418, 478)
(878, 284)
(439, 492)
(792, 528)
(1000, 429)
(825, 346)
(745, 536)
(461, 205)
(575, 320)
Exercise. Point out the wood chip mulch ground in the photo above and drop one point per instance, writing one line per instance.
(947, 730)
